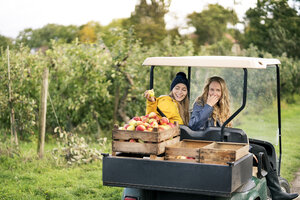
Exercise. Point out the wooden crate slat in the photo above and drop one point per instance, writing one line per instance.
(172, 158)
(216, 156)
(173, 151)
(142, 148)
(134, 147)
(142, 135)
(166, 134)
(153, 136)
(189, 148)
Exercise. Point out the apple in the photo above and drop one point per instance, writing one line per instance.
(150, 129)
(132, 122)
(144, 119)
(140, 128)
(139, 123)
(154, 124)
(146, 125)
(137, 118)
(132, 140)
(126, 126)
(172, 125)
(164, 121)
(152, 115)
(152, 120)
(151, 93)
(180, 157)
(131, 128)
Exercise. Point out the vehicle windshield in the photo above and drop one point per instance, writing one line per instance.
(259, 118)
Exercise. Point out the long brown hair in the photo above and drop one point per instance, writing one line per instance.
(183, 107)
(221, 110)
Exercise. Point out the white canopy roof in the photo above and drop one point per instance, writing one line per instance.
(212, 61)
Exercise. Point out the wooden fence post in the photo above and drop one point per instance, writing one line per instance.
(42, 114)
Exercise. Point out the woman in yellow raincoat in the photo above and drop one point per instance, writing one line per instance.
(174, 106)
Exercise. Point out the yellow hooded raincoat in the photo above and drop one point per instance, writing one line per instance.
(168, 106)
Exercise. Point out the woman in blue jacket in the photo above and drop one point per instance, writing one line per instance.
(212, 108)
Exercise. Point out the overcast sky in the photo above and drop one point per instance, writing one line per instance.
(16, 15)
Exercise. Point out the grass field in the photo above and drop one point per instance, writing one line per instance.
(264, 126)
(26, 177)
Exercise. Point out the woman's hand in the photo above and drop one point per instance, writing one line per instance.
(212, 100)
(149, 96)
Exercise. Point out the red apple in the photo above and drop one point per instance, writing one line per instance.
(149, 129)
(137, 118)
(146, 125)
(131, 128)
(152, 115)
(132, 122)
(164, 121)
(126, 126)
(140, 128)
(144, 119)
(139, 123)
(172, 125)
(132, 140)
(152, 120)
(154, 124)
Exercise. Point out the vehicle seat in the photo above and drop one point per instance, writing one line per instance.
(214, 134)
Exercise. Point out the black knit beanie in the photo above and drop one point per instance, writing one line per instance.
(180, 78)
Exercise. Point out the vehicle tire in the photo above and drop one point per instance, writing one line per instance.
(285, 186)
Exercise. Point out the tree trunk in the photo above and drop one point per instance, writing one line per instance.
(120, 103)
(123, 101)
(42, 114)
(14, 135)
(116, 103)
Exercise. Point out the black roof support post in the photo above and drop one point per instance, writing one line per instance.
(189, 79)
(151, 77)
(279, 116)
(241, 108)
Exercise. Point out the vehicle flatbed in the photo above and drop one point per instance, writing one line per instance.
(196, 178)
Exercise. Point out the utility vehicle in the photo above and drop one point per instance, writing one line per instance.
(146, 179)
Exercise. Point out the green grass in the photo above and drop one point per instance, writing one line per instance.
(26, 177)
(264, 126)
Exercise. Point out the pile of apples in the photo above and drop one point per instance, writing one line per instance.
(148, 123)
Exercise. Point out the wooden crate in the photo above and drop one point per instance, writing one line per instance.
(186, 150)
(223, 152)
(153, 143)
